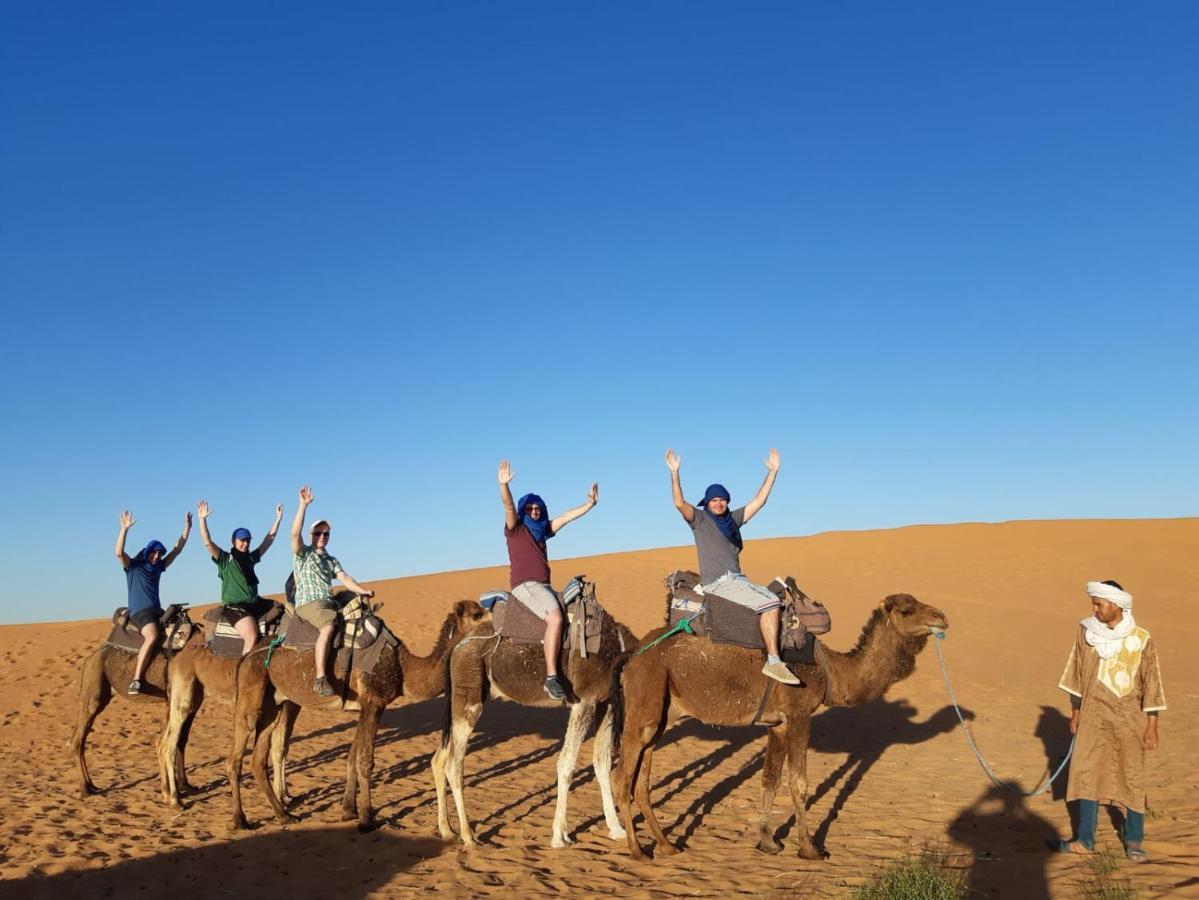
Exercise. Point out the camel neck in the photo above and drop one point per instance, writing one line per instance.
(881, 658)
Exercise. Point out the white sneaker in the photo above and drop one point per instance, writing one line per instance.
(779, 672)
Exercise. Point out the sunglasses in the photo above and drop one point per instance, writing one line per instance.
(320, 534)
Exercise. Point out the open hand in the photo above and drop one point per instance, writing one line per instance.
(127, 519)
(505, 474)
(772, 461)
(672, 461)
(593, 494)
(187, 521)
(278, 512)
(305, 495)
(202, 509)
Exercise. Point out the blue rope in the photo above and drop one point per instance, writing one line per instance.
(970, 740)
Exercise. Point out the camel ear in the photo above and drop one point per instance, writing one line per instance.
(888, 604)
(460, 609)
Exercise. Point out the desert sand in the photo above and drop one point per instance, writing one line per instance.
(888, 779)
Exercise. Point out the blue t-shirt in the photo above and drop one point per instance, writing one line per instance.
(143, 579)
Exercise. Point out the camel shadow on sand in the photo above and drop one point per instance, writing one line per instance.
(297, 863)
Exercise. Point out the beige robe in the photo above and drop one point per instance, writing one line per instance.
(1109, 759)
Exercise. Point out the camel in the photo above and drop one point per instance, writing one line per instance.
(720, 684)
(398, 673)
(496, 666)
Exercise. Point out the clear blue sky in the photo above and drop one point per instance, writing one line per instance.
(943, 256)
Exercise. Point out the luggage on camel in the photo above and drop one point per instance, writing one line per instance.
(359, 637)
(720, 620)
(174, 625)
(582, 629)
(223, 639)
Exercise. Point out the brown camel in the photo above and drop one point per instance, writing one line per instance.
(721, 684)
(494, 666)
(398, 673)
(195, 674)
(106, 673)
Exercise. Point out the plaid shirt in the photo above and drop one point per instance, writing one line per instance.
(314, 573)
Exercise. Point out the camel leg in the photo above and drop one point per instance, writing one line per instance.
(797, 776)
(581, 716)
(95, 693)
(179, 710)
(368, 727)
(268, 721)
(641, 791)
(438, 767)
(251, 696)
(349, 799)
(772, 771)
(280, 738)
(460, 733)
(642, 725)
(181, 779)
(601, 757)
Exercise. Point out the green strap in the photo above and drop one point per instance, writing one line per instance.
(270, 650)
(684, 626)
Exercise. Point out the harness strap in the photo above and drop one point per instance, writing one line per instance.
(345, 681)
(684, 626)
(765, 697)
(822, 664)
(270, 650)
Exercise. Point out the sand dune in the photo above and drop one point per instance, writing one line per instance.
(887, 779)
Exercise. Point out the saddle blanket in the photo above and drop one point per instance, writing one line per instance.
(222, 637)
(358, 640)
(582, 630)
(174, 625)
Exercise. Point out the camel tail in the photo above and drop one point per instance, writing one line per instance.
(616, 698)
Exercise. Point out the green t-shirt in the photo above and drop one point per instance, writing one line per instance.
(235, 587)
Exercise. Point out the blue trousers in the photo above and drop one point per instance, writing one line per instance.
(1088, 818)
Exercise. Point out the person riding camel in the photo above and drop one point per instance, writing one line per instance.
(717, 533)
(314, 570)
(142, 575)
(527, 526)
(239, 583)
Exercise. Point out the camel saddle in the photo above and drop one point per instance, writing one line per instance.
(358, 639)
(174, 625)
(582, 630)
(222, 638)
(725, 622)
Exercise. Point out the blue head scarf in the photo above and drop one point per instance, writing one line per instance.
(539, 528)
(143, 558)
(726, 523)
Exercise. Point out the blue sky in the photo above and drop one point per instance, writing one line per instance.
(943, 256)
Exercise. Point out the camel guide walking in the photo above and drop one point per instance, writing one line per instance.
(527, 526)
(142, 574)
(1115, 688)
(717, 533)
(239, 582)
(314, 570)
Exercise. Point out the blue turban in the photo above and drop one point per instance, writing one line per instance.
(539, 528)
(726, 523)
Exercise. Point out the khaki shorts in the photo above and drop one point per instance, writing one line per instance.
(740, 590)
(539, 598)
(318, 613)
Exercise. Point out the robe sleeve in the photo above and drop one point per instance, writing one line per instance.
(1071, 680)
(1153, 695)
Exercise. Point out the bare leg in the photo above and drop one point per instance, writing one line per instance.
(460, 733)
(552, 643)
(322, 649)
(94, 694)
(368, 727)
(772, 770)
(247, 627)
(149, 639)
(769, 623)
(601, 757)
(797, 773)
(581, 716)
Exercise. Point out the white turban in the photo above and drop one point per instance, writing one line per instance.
(1102, 591)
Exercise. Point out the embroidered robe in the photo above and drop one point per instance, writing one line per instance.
(1109, 759)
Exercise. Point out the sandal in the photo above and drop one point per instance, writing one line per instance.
(1136, 853)
(1072, 847)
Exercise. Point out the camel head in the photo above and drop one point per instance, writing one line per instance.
(911, 618)
(469, 615)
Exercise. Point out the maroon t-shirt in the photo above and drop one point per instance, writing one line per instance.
(527, 559)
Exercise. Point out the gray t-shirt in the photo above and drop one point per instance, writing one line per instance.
(717, 554)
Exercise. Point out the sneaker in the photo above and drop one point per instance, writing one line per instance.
(135, 687)
(554, 688)
(780, 672)
(321, 687)
(1136, 853)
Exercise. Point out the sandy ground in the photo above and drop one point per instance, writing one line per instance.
(888, 779)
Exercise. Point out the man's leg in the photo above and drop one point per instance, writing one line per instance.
(247, 627)
(769, 623)
(1134, 835)
(1088, 818)
(322, 648)
(743, 592)
(149, 639)
(552, 643)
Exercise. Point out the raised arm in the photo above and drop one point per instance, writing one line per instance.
(759, 500)
(570, 515)
(297, 524)
(203, 512)
(354, 585)
(676, 488)
(506, 475)
(178, 548)
(126, 524)
(270, 535)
